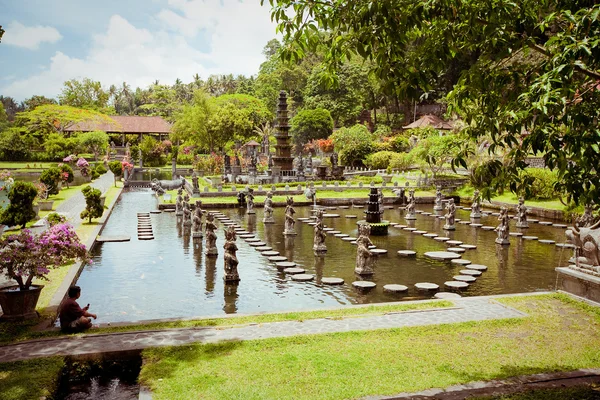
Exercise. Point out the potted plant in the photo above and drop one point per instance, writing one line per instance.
(84, 168)
(21, 209)
(42, 196)
(26, 257)
(387, 177)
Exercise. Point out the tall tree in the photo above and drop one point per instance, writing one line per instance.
(87, 94)
(191, 123)
(11, 107)
(36, 101)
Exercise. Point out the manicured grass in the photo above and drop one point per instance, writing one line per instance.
(511, 198)
(558, 335)
(26, 165)
(30, 380)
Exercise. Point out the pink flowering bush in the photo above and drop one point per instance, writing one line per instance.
(83, 166)
(69, 159)
(25, 256)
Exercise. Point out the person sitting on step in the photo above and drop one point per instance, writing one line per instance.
(72, 317)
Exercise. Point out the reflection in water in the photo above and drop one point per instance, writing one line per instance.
(319, 265)
(198, 255)
(187, 234)
(230, 295)
(289, 247)
(251, 224)
(210, 273)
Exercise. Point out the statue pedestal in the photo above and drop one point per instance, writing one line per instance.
(579, 283)
(197, 235)
(410, 217)
(522, 224)
(503, 242)
(320, 249)
(449, 227)
(179, 213)
(437, 208)
(475, 215)
(231, 278)
(212, 252)
(250, 212)
(268, 220)
(289, 232)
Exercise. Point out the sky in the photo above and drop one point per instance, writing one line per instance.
(48, 42)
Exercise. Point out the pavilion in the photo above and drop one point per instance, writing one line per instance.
(127, 125)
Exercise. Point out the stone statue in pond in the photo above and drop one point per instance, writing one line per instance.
(195, 185)
(364, 256)
(319, 234)
(585, 236)
(268, 209)
(250, 202)
(438, 199)
(179, 203)
(587, 219)
(211, 236)
(197, 221)
(476, 205)
(187, 214)
(401, 195)
(230, 259)
(503, 229)
(410, 207)
(450, 216)
(289, 217)
(522, 214)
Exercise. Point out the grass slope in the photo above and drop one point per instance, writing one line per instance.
(30, 380)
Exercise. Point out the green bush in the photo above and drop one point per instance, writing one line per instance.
(402, 161)
(353, 144)
(381, 146)
(185, 159)
(539, 184)
(309, 125)
(100, 169)
(115, 167)
(399, 143)
(379, 160)
(95, 174)
(67, 174)
(15, 144)
(20, 210)
(55, 219)
(93, 205)
(51, 177)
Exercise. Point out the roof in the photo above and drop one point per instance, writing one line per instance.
(430, 120)
(125, 124)
(252, 143)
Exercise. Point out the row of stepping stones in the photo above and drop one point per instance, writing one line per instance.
(144, 227)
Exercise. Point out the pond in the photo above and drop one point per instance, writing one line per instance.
(169, 277)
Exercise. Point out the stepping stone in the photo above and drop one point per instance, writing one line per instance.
(547, 241)
(303, 277)
(264, 248)
(353, 242)
(239, 230)
(565, 245)
(407, 253)
(456, 285)
(426, 286)
(533, 221)
(395, 288)
(458, 219)
(331, 208)
(418, 211)
(331, 215)
(495, 214)
(441, 238)
(468, 246)
(379, 252)
(327, 229)
(146, 214)
(460, 261)
(332, 281)
(334, 232)
(277, 258)
(400, 226)
(516, 234)
(258, 244)
(545, 223)
(410, 229)
(454, 242)
(470, 272)
(359, 206)
(312, 223)
(303, 219)
(371, 247)
(559, 225)
(145, 237)
(169, 210)
(430, 235)
(530, 237)
(456, 249)
(427, 213)
(488, 228)
(110, 239)
(465, 222)
(447, 295)
(247, 235)
(285, 264)
(341, 235)
(442, 255)
(344, 207)
(476, 225)
(251, 240)
(270, 253)
(419, 232)
(364, 285)
(294, 270)
(477, 267)
(349, 239)
(464, 278)
(350, 216)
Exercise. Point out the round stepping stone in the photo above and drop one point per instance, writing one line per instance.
(258, 244)
(565, 245)
(426, 286)
(559, 225)
(252, 240)
(350, 216)
(468, 246)
(517, 234)
(460, 261)
(239, 230)
(410, 229)
(349, 239)
(442, 255)
(456, 249)
(419, 232)
(476, 225)
(327, 229)
(488, 228)
(470, 272)
(344, 207)
(364, 285)
(530, 237)
(441, 238)
(456, 285)
(407, 253)
(547, 241)
(465, 222)
(285, 264)
(495, 214)
(430, 235)
(332, 281)
(353, 242)
(264, 248)
(155, 212)
(334, 232)
(454, 242)
(145, 237)
(341, 235)
(477, 267)
(545, 223)
(447, 295)
(312, 223)
(464, 278)
(371, 247)
(277, 258)
(395, 288)
(294, 270)
(533, 221)
(303, 219)
(418, 211)
(379, 252)
(270, 253)
(400, 226)
(331, 215)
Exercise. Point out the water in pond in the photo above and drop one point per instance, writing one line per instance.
(170, 277)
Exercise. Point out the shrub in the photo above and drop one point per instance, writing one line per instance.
(353, 144)
(153, 152)
(379, 160)
(309, 125)
(539, 183)
(20, 210)
(58, 147)
(95, 142)
(95, 174)
(55, 219)
(66, 173)
(93, 205)
(402, 161)
(15, 144)
(185, 159)
(100, 169)
(51, 177)
(382, 146)
(399, 143)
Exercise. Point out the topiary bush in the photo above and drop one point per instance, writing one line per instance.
(380, 160)
(93, 203)
(66, 173)
(55, 219)
(401, 161)
(100, 169)
(539, 184)
(20, 210)
(51, 177)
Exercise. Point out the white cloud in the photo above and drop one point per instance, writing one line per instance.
(235, 32)
(29, 37)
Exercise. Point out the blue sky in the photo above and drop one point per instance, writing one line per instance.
(138, 41)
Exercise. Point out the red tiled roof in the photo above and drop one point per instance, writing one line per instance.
(430, 120)
(125, 124)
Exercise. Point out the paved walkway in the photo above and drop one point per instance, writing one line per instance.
(466, 309)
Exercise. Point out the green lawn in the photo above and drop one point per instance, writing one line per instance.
(511, 198)
(558, 335)
(30, 380)
(26, 165)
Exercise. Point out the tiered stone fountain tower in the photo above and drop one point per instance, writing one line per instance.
(283, 159)
(373, 213)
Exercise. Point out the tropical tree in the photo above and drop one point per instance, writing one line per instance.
(437, 152)
(353, 144)
(20, 210)
(87, 94)
(310, 125)
(36, 101)
(16, 144)
(93, 203)
(94, 141)
(191, 123)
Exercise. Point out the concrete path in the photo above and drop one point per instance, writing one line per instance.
(466, 309)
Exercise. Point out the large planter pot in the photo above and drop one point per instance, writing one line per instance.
(102, 200)
(387, 178)
(36, 209)
(46, 205)
(19, 305)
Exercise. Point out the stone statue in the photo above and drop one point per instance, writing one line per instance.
(197, 221)
(310, 193)
(364, 256)
(450, 215)
(334, 160)
(128, 152)
(268, 209)
(522, 214)
(401, 195)
(187, 214)
(476, 206)
(410, 207)
(438, 199)
(195, 182)
(230, 259)
(413, 140)
(587, 219)
(289, 217)
(319, 236)
(587, 247)
(270, 161)
(503, 229)
(250, 202)
(179, 203)
(309, 164)
(380, 198)
(227, 164)
(211, 236)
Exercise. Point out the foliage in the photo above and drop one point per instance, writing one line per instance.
(379, 160)
(153, 152)
(211, 164)
(51, 177)
(100, 169)
(20, 210)
(26, 256)
(540, 184)
(55, 219)
(437, 151)
(87, 94)
(57, 146)
(310, 125)
(36, 101)
(15, 144)
(192, 121)
(93, 205)
(115, 167)
(66, 173)
(398, 143)
(353, 144)
(325, 145)
(402, 162)
(95, 142)
(84, 166)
